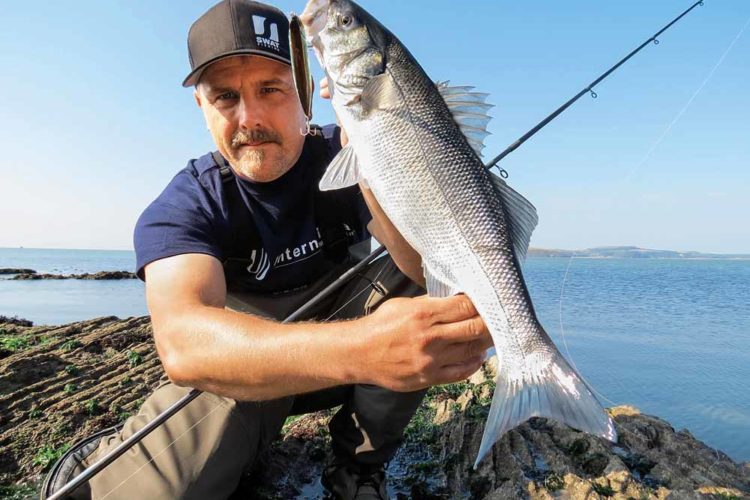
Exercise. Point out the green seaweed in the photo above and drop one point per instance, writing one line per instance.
(134, 358)
(70, 345)
(603, 490)
(93, 407)
(17, 492)
(554, 482)
(48, 455)
(14, 343)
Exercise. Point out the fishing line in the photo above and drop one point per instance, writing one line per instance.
(565, 343)
(368, 286)
(218, 404)
(588, 89)
(646, 157)
(690, 101)
(139, 469)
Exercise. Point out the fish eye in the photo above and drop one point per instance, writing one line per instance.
(346, 21)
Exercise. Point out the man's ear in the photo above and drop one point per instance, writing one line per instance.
(198, 97)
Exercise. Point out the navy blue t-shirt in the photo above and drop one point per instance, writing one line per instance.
(271, 236)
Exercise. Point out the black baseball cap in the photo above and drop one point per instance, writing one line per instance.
(236, 27)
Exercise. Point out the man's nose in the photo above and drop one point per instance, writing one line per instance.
(250, 112)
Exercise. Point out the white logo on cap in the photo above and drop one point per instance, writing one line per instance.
(270, 42)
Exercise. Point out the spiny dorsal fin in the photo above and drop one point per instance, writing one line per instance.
(469, 109)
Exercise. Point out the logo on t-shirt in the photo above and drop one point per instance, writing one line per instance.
(272, 40)
(300, 252)
(259, 264)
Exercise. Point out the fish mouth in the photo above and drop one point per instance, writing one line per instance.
(314, 17)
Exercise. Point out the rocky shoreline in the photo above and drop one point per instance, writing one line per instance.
(30, 274)
(61, 383)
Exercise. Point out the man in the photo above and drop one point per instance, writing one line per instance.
(258, 235)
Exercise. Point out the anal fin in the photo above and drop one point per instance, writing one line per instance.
(437, 287)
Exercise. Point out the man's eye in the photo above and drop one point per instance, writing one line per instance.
(226, 96)
(269, 90)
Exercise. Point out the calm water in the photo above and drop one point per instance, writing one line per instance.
(65, 301)
(671, 337)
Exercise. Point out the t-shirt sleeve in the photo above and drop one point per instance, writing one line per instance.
(178, 222)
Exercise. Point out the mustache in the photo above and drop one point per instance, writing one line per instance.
(261, 134)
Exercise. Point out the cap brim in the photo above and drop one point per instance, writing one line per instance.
(196, 74)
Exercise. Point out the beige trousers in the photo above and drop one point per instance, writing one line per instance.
(202, 452)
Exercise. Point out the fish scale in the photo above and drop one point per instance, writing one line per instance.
(407, 143)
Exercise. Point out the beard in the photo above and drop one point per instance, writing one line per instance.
(255, 163)
(252, 160)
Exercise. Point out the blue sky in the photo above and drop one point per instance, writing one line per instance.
(95, 122)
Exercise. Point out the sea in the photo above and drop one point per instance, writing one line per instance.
(668, 336)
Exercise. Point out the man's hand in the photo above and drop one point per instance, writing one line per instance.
(325, 93)
(420, 342)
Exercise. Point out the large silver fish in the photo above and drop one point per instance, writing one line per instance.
(417, 145)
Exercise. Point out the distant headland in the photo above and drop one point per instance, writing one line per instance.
(630, 252)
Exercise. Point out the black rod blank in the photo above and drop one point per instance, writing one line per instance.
(113, 455)
(177, 406)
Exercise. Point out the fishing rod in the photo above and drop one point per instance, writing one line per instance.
(302, 79)
(138, 436)
(588, 89)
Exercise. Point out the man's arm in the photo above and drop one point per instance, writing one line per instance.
(406, 258)
(407, 344)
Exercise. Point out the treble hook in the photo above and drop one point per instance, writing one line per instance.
(308, 130)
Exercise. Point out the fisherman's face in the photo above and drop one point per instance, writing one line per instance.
(254, 115)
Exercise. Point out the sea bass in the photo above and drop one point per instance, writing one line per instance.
(416, 144)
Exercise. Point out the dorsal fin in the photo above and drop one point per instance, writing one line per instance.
(521, 217)
(469, 109)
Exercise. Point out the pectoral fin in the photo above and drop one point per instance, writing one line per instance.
(343, 171)
(380, 92)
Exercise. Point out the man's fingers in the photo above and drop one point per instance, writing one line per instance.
(460, 371)
(466, 330)
(452, 309)
(454, 354)
(325, 92)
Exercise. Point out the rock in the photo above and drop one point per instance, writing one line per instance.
(15, 320)
(543, 459)
(10, 270)
(101, 275)
(45, 402)
(46, 387)
(626, 410)
(107, 275)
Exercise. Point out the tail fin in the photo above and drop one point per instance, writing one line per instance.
(552, 390)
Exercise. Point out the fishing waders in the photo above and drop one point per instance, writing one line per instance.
(205, 448)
